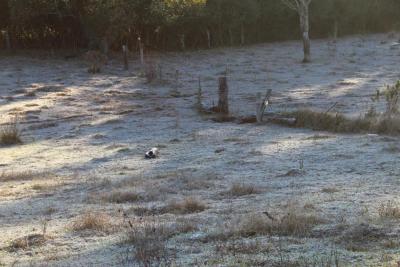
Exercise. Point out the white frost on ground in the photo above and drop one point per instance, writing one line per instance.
(81, 129)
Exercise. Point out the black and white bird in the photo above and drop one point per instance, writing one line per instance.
(152, 153)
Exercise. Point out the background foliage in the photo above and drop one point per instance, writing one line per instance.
(163, 24)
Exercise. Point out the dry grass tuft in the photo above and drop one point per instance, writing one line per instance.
(49, 211)
(390, 244)
(293, 223)
(239, 246)
(238, 190)
(121, 197)
(338, 123)
(330, 190)
(184, 181)
(18, 176)
(185, 225)
(254, 224)
(150, 241)
(144, 211)
(323, 121)
(27, 242)
(92, 221)
(30, 93)
(10, 134)
(360, 237)
(39, 187)
(186, 206)
(371, 122)
(390, 209)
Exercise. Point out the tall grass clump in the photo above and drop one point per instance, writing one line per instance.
(10, 134)
(387, 122)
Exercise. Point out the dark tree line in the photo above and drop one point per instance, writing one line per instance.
(181, 24)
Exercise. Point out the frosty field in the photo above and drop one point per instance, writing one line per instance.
(78, 191)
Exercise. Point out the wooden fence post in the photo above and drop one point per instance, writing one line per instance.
(141, 51)
(7, 39)
(125, 52)
(223, 92)
(208, 38)
(199, 96)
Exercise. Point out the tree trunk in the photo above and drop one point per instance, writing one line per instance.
(335, 30)
(230, 37)
(304, 22)
(223, 91)
(147, 38)
(182, 41)
(306, 48)
(7, 40)
(208, 38)
(158, 37)
(242, 35)
(221, 37)
(104, 46)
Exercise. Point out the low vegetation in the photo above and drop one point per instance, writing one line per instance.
(293, 223)
(18, 176)
(330, 190)
(121, 196)
(27, 242)
(389, 209)
(387, 122)
(150, 243)
(10, 134)
(92, 221)
(363, 236)
(238, 190)
(186, 206)
(321, 121)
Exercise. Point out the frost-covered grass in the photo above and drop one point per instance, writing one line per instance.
(219, 193)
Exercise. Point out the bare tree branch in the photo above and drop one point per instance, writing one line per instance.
(292, 4)
(296, 5)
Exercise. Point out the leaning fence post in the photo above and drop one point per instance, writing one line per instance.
(262, 105)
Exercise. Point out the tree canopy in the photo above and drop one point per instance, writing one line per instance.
(163, 24)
